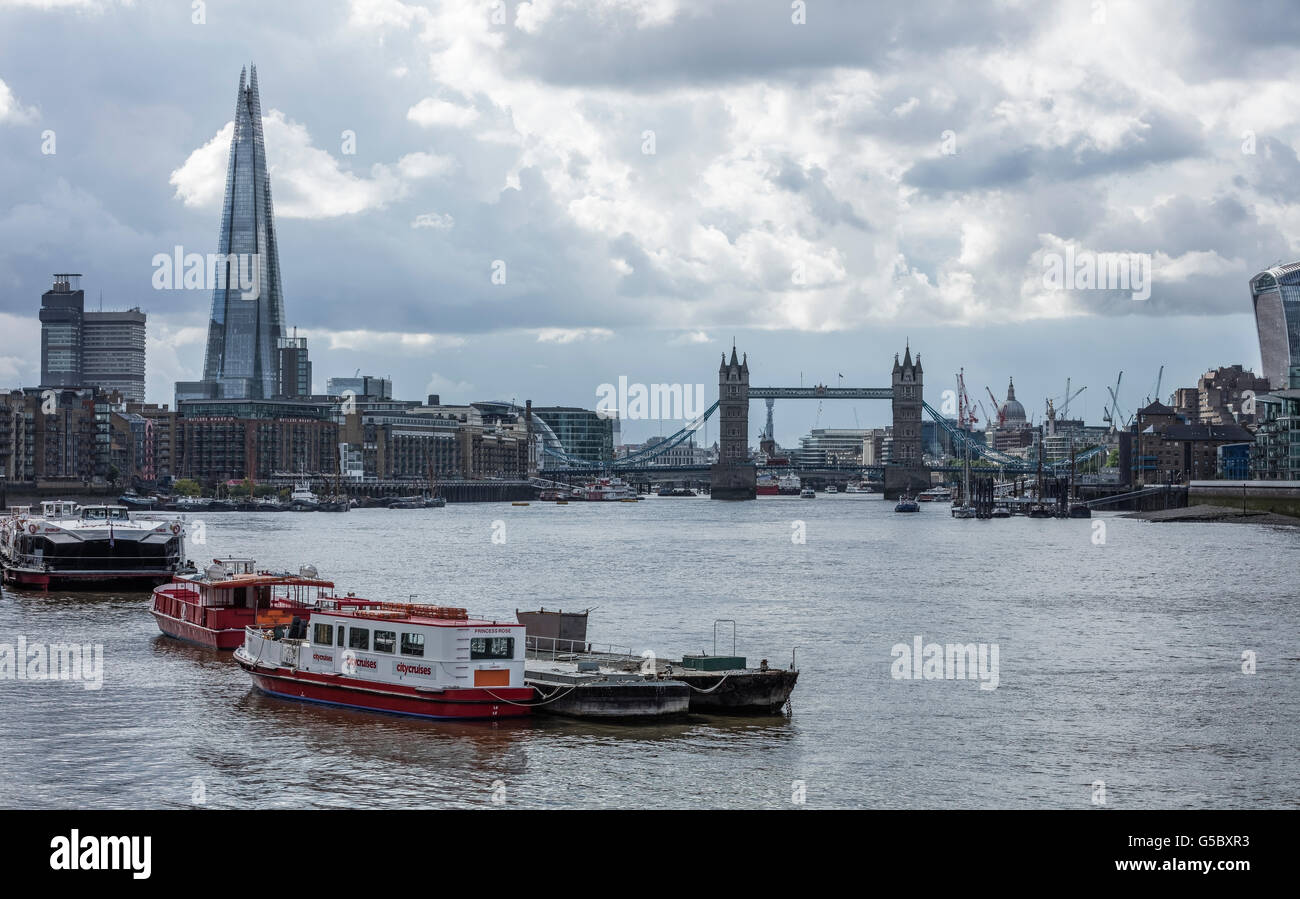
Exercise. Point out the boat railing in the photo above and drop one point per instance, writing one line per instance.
(554, 647)
(51, 563)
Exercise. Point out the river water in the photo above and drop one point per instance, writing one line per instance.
(1120, 665)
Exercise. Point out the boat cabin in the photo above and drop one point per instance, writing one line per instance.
(105, 513)
(231, 593)
(58, 508)
(429, 648)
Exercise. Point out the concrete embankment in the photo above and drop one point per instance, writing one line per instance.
(1208, 512)
(1278, 497)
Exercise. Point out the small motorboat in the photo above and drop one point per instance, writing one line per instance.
(831, 488)
(907, 504)
(963, 511)
(808, 493)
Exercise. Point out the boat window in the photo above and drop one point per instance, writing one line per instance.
(385, 641)
(324, 635)
(341, 635)
(413, 644)
(358, 638)
(492, 648)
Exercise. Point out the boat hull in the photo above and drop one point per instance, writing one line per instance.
(338, 690)
(620, 700)
(84, 580)
(221, 639)
(748, 692)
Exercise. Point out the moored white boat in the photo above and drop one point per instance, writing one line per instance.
(399, 658)
(69, 545)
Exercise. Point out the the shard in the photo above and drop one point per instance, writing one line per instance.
(246, 323)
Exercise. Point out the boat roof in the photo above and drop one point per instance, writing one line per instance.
(406, 613)
(255, 579)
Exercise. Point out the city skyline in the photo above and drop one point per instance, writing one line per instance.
(835, 162)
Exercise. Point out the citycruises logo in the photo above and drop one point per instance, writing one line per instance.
(54, 661)
(193, 271)
(351, 663)
(403, 668)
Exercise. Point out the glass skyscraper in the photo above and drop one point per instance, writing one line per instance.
(245, 330)
(1276, 297)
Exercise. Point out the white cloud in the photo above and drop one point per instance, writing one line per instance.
(691, 337)
(448, 390)
(92, 5)
(572, 335)
(434, 220)
(377, 341)
(11, 110)
(431, 111)
(308, 181)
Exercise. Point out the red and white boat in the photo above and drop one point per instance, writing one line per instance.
(68, 545)
(767, 485)
(213, 608)
(606, 490)
(405, 659)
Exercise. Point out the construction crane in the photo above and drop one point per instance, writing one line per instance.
(1068, 398)
(1115, 415)
(997, 407)
(965, 409)
(1155, 397)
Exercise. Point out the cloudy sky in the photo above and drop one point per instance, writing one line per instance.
(662, 176)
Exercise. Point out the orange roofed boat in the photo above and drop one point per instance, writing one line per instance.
(399, 658)
(212, 608)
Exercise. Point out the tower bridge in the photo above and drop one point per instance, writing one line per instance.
(734, 474)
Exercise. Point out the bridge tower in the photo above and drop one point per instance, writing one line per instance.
(906, 472)
(733, 476)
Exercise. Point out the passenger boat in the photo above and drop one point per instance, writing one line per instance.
(935, 494)
(854, 488)
(69, 545)
(808, 493)
(789, 485)
(831, 488)
(676, 491)
(767, 485)
(399, 658)
(907, 504)
(302, 499)
(606, 490)
(212, 608)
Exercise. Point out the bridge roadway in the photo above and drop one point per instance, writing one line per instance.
(875, 471)
(821, 392)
